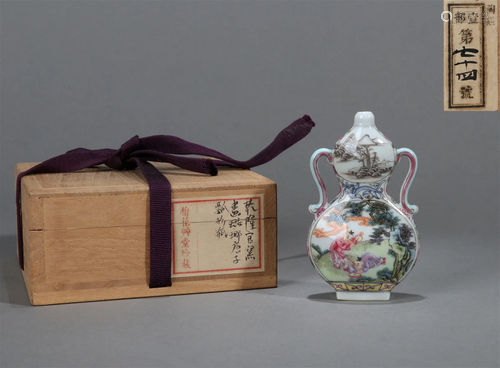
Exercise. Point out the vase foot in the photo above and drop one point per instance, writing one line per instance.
(363, 295)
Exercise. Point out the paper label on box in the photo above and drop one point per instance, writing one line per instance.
(471, 55)
(466, 53)
(218, 235)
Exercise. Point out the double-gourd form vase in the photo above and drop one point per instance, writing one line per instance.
(363, 243)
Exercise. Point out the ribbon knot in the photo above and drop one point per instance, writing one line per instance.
(136, 153)
(121, 158)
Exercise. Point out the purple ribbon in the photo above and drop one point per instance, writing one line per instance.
(136, 153)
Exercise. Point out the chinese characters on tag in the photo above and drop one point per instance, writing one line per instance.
(186, 230)
(466, 54)
(240, 229)
(218, 236)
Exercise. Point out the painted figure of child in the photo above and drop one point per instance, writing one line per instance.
(364, 263)
(342, 244)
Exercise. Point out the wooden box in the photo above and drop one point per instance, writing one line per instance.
(86, 233)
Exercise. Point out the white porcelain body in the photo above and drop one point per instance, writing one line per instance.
(363, 243)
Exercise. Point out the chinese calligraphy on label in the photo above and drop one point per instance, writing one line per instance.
(218, 235)
(471, 73)
(466, 55)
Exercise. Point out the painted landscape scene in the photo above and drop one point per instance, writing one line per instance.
(363, 241)
(363, 160)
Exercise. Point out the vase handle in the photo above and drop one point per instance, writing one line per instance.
(410, 208)
(323, 197)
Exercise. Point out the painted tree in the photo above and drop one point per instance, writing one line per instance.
(378, 235)
(386, 219)
(403, 236)
(387, 227)
(402, 249)
(355, 209)
(363, 152)
(378, 211)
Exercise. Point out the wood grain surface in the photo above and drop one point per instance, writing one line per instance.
(86, 234)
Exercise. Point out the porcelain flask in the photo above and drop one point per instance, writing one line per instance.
(363, 243)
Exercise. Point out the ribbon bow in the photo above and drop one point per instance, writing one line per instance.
(135, 153)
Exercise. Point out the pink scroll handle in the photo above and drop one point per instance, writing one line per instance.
(412, 209)
(323, 197)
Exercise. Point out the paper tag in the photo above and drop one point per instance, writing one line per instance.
(471, 55)
(218, 235)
